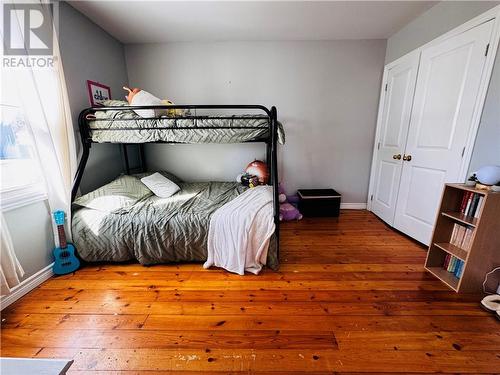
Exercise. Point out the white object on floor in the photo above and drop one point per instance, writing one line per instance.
(487, 281)
(160, 185)
(239, 232)
(491, 302)
(34, 366)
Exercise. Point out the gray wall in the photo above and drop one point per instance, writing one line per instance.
(487, 145)
(31, 231)
(436, 21)
(326, 94)
(88, 52)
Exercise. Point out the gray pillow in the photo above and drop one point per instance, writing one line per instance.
(119, 194)
(119, 113)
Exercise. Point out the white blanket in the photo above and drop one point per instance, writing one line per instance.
(239, 232)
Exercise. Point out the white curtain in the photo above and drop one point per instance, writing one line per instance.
(10, 270)
(46, 106)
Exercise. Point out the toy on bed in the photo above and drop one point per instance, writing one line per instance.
(137, 96)
(258, 168)
(248, 180)
(256, 173)
(288, 211)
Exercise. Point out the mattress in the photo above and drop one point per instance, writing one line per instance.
(125, 126)
(156, 230)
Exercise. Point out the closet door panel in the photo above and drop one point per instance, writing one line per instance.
(422, 198)
(445, 97)
(393, 132)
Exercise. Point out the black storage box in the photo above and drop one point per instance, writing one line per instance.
(319, 202)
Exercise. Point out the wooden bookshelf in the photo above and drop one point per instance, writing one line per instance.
(484, 252)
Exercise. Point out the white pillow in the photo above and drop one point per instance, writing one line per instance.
(160, 185)
(145, 98)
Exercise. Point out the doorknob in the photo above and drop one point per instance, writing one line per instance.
(396, 156)
(407, 157)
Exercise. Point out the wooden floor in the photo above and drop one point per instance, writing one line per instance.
(350, 297)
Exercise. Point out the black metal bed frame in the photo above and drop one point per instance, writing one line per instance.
(271, 140)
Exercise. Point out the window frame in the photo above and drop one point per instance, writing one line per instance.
(22, 194)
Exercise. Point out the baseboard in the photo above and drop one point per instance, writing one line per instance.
(353, 206)
(26, 286)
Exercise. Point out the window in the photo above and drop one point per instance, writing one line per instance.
(21, 180)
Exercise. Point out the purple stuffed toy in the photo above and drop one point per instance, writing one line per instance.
(288, 211)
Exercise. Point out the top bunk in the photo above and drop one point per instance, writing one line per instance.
(118, 122)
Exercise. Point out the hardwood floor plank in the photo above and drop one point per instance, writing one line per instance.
(140, 339)
(213, 295)
(19, 351)
(409, 340)
(333, 323)
(282, 360)
(309, 308)
(269, 277)
(240, 284)
(251, 323)
(307, 268)
(73, 321)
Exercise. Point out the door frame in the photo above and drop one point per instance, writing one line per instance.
(492, 14)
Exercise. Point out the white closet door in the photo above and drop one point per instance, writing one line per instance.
(393, 132)
(445, 98)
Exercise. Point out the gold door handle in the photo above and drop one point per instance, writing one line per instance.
(407, 157)
(396, 156)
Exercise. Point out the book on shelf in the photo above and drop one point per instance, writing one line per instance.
(454, 265)
(451, 265)
(471, 204)
(461, 269)
(446, 261)
(478, 208)
(461, 236)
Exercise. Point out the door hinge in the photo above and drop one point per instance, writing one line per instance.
(371, 197)
(487, 49)
(463, 151)
(386, 87)
(378, 146)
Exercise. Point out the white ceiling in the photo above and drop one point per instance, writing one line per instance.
(180, 21)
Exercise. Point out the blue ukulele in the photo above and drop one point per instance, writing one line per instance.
(65, 260)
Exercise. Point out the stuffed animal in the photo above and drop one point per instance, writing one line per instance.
(288, 211)
(137, 96)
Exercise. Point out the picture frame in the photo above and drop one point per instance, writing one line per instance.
(98, 93)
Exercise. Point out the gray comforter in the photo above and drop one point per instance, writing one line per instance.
(156, 230)
(125, 126)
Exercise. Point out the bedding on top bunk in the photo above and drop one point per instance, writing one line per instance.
(121, 119)
(124, 221)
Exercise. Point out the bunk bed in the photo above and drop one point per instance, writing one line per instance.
(154, 230)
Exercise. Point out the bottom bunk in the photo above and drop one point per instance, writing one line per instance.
(124, 220)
